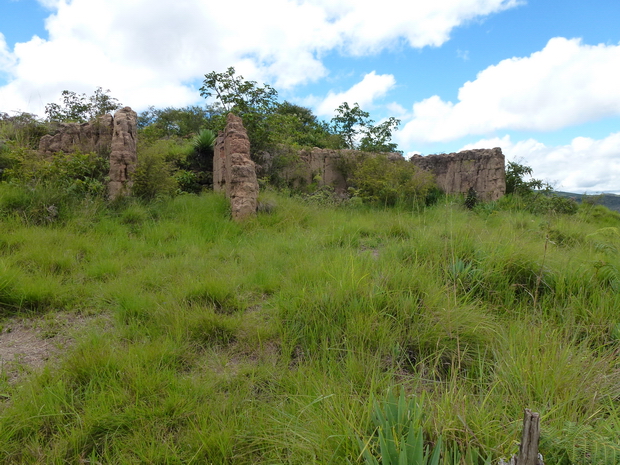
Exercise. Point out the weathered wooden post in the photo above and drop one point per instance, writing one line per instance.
(528, 449)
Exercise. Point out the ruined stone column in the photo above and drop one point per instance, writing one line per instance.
(123, 158)
(234, 171)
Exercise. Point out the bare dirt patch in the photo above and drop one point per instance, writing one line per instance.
(27, 344)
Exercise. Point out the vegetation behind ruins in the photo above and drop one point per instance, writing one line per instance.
(287, 338)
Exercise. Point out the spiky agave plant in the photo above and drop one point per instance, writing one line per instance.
(199, 162)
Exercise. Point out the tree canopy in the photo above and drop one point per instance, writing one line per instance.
(79, 108)
(270, 122)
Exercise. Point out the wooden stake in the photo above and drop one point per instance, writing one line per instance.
(528, 449)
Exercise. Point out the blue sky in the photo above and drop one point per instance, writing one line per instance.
(537, 78)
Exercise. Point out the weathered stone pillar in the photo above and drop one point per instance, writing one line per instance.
(123, 158)
(233, 170)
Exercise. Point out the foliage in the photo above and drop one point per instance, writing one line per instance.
(154, 175)
(77, 173)
(20, 130)
(169, 122)
(76, 108)
(269, 123)
(204, 141)
(297, 126)
(349, 123)
(246, 99)
(199, 162)
(534, 195)
(515, 182)
(398, 434)
(358, 132)
(238, 95)
(378, 138)
(380, 180)
(471, 199)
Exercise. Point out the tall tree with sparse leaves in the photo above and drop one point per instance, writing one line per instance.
(359, 132)
(76, 108)
(246, 99)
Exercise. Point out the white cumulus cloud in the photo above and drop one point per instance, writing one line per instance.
(564, 84)
(153, 52)
(365, 92)
(584, 165)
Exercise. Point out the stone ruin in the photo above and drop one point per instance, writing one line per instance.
(123, 154)
(455, 173)
(233, 171)
(483, 170)
(111, 136)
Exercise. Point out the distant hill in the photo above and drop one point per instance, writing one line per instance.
(611, 201)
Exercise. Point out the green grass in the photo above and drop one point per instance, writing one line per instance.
(273, 340)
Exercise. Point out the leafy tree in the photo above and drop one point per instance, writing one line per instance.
(294, 125)
(515, 182)
(378, 138)
(81, 108)
(349, 123)
(175, 122)
(246, 99)
(354, 124)
(238, 95)
(270, 123)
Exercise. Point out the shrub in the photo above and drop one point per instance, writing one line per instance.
(22, 130)
(153, 178)
(80, 174)
(383, 181)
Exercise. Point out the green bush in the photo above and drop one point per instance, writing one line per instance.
(47, 190)
(153, 178)
(157, 161)
(74, 173)
(539, 203)
(22, 130)
(382, 181)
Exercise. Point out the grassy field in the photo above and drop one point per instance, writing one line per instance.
(188, 338)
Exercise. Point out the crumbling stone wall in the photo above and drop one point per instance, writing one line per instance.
(94, 136)
(326, 167)
(481, 169)
(233, 171)
(112, 136)
(455, 173)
